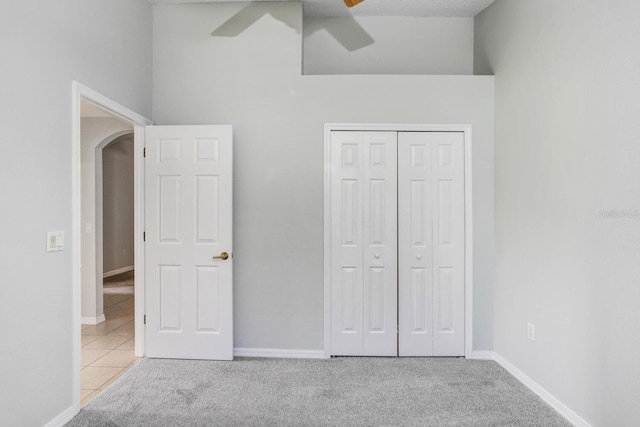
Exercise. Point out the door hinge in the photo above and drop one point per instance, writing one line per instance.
(144, 236)
(144, 319)
(144, 152)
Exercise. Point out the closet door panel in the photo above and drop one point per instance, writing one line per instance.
(415, 236)
(346, 244)
(363, 244)
(431, 243)
(448, 244)
(380, 244)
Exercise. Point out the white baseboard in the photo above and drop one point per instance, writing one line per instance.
(482, 355)
(117, 271)
(550, 399)
(279, 353)
(92, 320)
(63, 418)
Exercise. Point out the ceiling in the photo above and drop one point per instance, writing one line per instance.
(89, 110)
(418, 8)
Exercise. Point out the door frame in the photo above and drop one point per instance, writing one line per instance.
(468, 216)
(83, 93)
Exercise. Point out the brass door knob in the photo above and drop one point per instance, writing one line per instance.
(222, 256)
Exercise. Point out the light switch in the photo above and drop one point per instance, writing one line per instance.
(55, 241)
(88, 228)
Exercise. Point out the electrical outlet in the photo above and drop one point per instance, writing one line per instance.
(531, 331)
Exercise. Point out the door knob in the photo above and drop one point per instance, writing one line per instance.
(222, 256)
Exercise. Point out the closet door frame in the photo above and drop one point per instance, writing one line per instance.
(468, 217)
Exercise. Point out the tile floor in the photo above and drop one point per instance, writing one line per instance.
(107, 348)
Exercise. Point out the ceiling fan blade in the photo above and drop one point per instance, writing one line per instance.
(351, 3)
(351, 36)
(248, 15)
(239, 22)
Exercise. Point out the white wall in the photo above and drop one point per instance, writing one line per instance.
(117, 161)
(388, 45)
(106, 45)
(253, 82)
(93, 132)
(567, 153)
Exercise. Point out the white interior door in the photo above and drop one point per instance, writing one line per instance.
(188, 222)
(431, 243)
(364, 244)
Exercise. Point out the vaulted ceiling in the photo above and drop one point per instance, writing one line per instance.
(418, 8)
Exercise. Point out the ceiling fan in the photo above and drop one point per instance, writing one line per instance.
(351, 3)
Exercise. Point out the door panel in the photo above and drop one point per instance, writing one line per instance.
(448, 250)
(169, 208)
(415, 249)
(380, 244)
(347, 245)
(420, 287)
(431, 204)
(351, 298)
(363, 236)
(188, 220)
(170, 298)
(208, 288)
(206, 203)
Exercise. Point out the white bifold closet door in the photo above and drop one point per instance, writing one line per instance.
(431, 243)
(364, 244)
(397, 243)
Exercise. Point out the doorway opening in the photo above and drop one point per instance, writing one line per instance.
(107, 213)
(100, 320)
